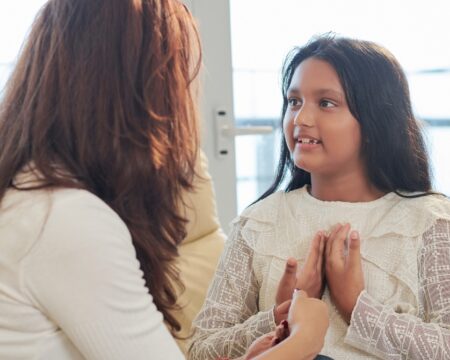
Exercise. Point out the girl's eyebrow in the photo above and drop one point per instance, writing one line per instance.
(318, 92)
(293, 90)
(329, 92)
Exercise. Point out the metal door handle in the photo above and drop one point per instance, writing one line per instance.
(246, 130)
(225, 130)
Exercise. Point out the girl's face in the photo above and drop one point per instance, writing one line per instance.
(323, 136)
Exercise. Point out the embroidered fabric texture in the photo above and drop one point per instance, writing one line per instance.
(406, 259)
(230, 320)
(388, 333)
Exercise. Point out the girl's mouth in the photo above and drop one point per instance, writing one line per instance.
(308, 141)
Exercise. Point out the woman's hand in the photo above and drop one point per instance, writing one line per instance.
(308, 320)
(303, 335)
(344, 274)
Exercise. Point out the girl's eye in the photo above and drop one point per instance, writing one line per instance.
(293, 102)
(327, 104)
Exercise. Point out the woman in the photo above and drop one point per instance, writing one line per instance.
(98, 139)
(90, 133)
(359, 197)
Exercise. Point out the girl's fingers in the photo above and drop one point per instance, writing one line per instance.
(321, 253)
(330, 240)
(287, 281)
(338, 246)
(281, 311)
(314, 252)
(354, 249)
(286, 331)
(279, 330)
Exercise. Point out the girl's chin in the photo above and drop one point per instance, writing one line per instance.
(303, 165)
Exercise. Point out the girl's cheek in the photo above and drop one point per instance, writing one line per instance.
(287, 129)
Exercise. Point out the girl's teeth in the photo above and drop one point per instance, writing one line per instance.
(308, 141)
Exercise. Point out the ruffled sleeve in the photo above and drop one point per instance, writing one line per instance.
(230, 319)
(394, 332)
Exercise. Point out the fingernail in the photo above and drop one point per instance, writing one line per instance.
(290, 262)
(354, 235)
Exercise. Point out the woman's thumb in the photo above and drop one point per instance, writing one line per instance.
(299, 294)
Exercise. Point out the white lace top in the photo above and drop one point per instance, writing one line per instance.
(404, 313)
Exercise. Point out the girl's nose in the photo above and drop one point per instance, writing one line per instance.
(304, 117)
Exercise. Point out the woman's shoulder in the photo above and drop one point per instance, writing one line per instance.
(66, 204)
(78, 208)
(72, 200)
(63, 218)
(27, 198)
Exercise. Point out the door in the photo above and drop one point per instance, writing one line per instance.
(217, 96)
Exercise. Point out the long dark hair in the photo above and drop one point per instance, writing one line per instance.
(377, 94)
(103, 89)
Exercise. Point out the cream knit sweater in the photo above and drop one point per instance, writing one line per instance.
(70, 283)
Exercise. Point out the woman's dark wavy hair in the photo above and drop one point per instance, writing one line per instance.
(377, 94)
(104, 90)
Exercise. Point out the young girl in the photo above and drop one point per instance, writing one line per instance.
(359, 196)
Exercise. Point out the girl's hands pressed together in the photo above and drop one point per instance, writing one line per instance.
(287, 282)
(310, 278)
(312, 275)
(343, 271)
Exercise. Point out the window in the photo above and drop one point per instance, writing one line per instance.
(15, 20)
